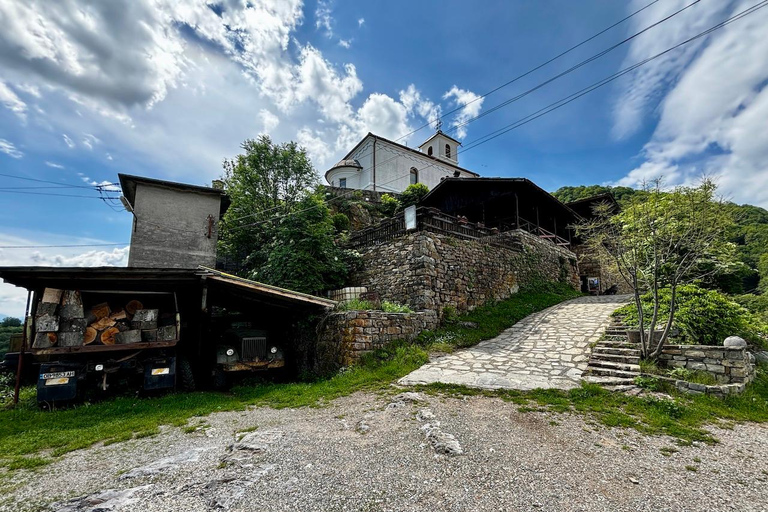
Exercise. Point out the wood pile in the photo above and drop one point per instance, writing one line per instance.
(61, 321)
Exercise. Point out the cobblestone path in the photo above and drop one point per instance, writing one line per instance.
(548, 349)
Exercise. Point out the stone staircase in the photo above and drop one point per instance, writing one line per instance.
(614, 362)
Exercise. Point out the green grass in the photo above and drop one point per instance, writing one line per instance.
(683, 418)
(27, 432)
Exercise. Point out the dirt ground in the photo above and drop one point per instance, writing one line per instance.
(371, 452)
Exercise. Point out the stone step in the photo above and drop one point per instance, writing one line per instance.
(615, 338)
(610, 372)
(609, 381)
(615, 358)
(624, 351)
(627, 367)
(616, 344)
(615, 332)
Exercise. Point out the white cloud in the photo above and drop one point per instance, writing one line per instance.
(89, 140)
(54, 165)
(712, 120)
(12, 102)
(413, 101)
(109, 157)
(318, 150)
(360, 22)
(9, 149)
(345, 43)
(471, 104)
(269, 121)
(13, 299)
(69, 142)
(323, 19)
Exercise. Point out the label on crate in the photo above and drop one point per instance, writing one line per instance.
(56, 375)
(161, 371)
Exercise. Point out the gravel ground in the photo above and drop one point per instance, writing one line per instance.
(378, 453)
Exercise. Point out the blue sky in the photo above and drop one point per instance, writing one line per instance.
(169, 89)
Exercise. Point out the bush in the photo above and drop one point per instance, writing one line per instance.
(394, 307)
(340, 222)
(756, 304)
(389, 205)
(704, 317)
(413, 194)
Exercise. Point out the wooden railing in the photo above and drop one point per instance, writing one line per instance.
(435, 221)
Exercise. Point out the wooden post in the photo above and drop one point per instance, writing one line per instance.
(24, 339)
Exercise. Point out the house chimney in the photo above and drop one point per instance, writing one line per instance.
(217, 184)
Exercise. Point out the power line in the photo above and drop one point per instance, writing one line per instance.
(52, 194)
(564, 101)
(594, 57)
(510, 82)
(104, 185)
(572, 68)
(51, 246)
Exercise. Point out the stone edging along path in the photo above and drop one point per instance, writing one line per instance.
(548, 349)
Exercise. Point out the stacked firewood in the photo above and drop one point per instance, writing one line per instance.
(62, 321)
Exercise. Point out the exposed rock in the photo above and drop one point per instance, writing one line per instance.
(410, 396)
(762, 356)
(111, 499)
(734, 341)
(442, 442)
(165, 464)
(362, 427)
(257, 441)
(425, 415)
(468, 325)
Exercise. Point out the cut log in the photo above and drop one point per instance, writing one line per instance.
(123, 325)
(52, 295)
(108, 336)
(72, 325)
(119, 315)
(90, 335)
(133, 306)
(46, 323)
(45, 340)
(71, 304)
(47, 308)
(101, 310)
(102, 324)
(70, 339)
(145, 319)
(149, 335)
(126, 337)
(167, 333)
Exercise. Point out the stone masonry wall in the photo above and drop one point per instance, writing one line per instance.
(347, 335)
(429, 271)
(731, 366)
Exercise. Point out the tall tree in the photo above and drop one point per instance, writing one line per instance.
(662, 239)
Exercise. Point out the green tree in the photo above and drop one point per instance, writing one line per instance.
(413, 194)
(266, 182)
(662, 239)
(10, 321)
(302, 254)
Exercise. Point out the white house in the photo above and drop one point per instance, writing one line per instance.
(380, 164)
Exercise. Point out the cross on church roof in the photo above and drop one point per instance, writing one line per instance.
(438, 124)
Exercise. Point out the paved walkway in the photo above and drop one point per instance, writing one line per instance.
(548, 349)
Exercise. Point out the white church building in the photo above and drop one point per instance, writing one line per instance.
(382, 165)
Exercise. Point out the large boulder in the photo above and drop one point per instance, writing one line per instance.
(734, 342)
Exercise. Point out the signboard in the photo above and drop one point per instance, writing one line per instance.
(410, 218)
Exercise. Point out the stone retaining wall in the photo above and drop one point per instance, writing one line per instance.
(345, 336)
(732, 367)
(428, 271)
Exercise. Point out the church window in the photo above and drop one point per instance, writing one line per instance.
(448, 151)
(342, 182)
(429, 150)
(414, 175)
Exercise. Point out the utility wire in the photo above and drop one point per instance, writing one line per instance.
(492, 135)
(510, 82)
(52, 194)
(57, 183)
(50, 246)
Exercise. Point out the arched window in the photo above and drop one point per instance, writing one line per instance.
(448, 151)
(429, 150)
(414, 175)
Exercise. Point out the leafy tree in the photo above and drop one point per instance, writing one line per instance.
(662, 239)
(10, 322)
(267, 181)
(413, 194)
(570, 194)
(389, 205)
(302, 255)
(278, 225)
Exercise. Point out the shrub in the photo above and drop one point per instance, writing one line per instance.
(340, 222)
(389, 205)
(393, 307)
(413, 194)
(704, 317)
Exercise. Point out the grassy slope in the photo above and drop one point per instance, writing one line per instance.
(30, 437)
